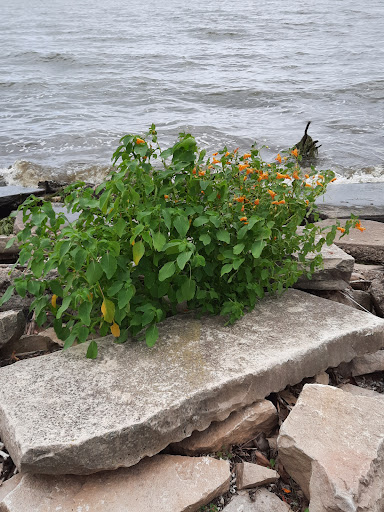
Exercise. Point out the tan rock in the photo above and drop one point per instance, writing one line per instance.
(252, 475)
(8, 486)
(163, 483)
(356, 390)
(332, 444)
(239, 427)
(263, 501)
(27, 344)
(321, 378)
(368, 363)
(12, 325)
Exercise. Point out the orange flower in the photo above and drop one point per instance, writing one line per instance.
(166, 196)
(280, 176)
(194, 170)
(306, 175)
(53, 300)
(359, 226)
(243, 166)
(318, 183)
(247, 155)
(296, 176)
(242, 208)
(308, 185)
(321, 176)
(256, 201)
(215, 154)
(278, 158)
(294, 152)
(210, 166)
(334, 179)
(341, 229)
(140, 141)
(201, 173)
(243, 219)
(202, 191)
(239, 199)
(249, 171)
(227, 153)
(115, 330)
(236, 150)
(245, 178)
(245, 223)
(263, 176)
(133, 243)
(307, 202)
(215, 161)
(218, 196)
(278, 202)
(271, 193)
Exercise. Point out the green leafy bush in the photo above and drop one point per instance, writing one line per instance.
(168, 228)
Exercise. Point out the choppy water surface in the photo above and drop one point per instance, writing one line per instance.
(75, 76)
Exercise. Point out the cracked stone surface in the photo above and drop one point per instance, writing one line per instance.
(332, 444)
(65, 414)
(164, 483)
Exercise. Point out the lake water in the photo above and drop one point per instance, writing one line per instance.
(77, 75)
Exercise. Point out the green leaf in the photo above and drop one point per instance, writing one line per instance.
(188, 289)
(109, 265)
(92, 350)
(33, 287)
(167, 270)
(94, 272)
(7, 295)
(205, 238)
(199, 221)
(151, 335)
(64, 306)
(84, 312)
(238, 248)
(224, 236)
(226, 269)
(125, 296)
(117, 286)
(158, 241)
(64, 248)
(138, 252)
(80, 258)
(183, 259)
(120, 226)
(10, 242)
(181, 224)
(257, 248)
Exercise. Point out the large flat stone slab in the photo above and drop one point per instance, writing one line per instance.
(332, 444)
(365, 246)
(63, 413)
(335, 274)
(366, 200)
(164, 483)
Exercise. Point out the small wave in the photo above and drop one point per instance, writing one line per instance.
(28, 174)
(45, 57)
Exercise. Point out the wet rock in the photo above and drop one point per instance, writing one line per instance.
(366, 246)
(263, 501)
(63, 413)
(362, 199)
(27, 344)
(163, 483)
(12, 325)
(238, 428)
(338, 267)
(252, 475)
(332, 444)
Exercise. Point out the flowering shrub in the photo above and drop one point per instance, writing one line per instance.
(213, 233)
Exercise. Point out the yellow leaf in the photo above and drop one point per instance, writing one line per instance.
(103, 308)
(108, 310)
(138, 252)
(53, 300)
(115, 330)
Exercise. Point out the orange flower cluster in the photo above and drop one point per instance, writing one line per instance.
(296, 176)
(272, 193)
(240, 199)
(341, 229)
(278, 202)
(140, 141)
(215, 161)
(247, 155)
(294, 152)
(243, 219)
(263, 176)
(278, 158)
(359, 226)
(280, 176)
(201, 173)
(243, 166)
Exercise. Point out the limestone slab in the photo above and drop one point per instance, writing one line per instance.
(63, 413)
(263, 501)
(12, 324)
(252, 475)
(164, 483)
(335, 274)
(332, 444)
(365, 246)
(239, 427)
